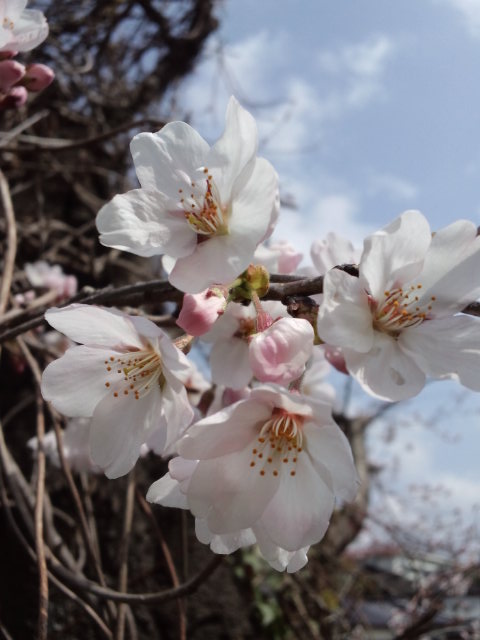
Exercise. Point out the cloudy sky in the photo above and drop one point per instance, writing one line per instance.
(365, 109)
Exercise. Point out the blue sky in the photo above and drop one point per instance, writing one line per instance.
(365, 109)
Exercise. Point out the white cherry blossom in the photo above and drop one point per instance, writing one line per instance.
(400, 320)
(206, 208)
(167, 492)
(20, 29)
(127, 376)
(273, 463)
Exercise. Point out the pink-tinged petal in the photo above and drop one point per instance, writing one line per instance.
(280, 257)
(344, 318)
(30, 30)
(279, 353)
(166, 492)
(446, 347)
(165, 159)
(331, 252)
(224, 432)
(120, 426)
(299, 513)
(230, 160)
(140, 222)
(230, 364)
(328, 445)
(395, 254)
(251, 207)
(450, 271)
(200, 312)
(95, 326)
(229, 493)
(75, 383)
(386, 371)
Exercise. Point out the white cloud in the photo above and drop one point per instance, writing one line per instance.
(393, 186)
(366, 59)
(470, 11)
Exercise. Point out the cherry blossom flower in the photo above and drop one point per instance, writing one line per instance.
(41, 274)
(273, 463)
(127, 376)
(229, 357)
(20, 29)
(167, 492)
(206, 208)
(400, 320)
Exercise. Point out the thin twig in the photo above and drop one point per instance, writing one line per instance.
(154, 598)
(9, 263)
(42, 627)
(169, 561)
(124, 546)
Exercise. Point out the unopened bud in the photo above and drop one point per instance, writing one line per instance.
(38, 77)
(16, 97)
(11, 72)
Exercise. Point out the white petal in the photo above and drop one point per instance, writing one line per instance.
(95, 326)
(143, 222)
(177, 411)
(218, 260)
(75, 383)
(119, 428)
(30, 30)
(386, 371)
(163, 159)
(224, 432)
(451, 268)
(395, 254)
(344, 318)
(251, 207)
(230, 364)
(230, 158)
(229, 493)
(327, 444)
(447, 347)
(226, 543)
(166, 492)
(299, 513)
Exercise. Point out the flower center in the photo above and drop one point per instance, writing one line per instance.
(202, 207)
(134, 374)
(8, 24)
(399, 310)
(279, 444)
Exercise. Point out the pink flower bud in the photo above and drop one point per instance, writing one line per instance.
(16, 97)
(201, 310)
(11, 72)
(279, 353)
(38, 77)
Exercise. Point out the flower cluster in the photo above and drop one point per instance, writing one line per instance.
(257, 458)
(20, 30)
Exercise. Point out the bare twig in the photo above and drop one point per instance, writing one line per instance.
(11, 250)
(124, 546)
(39, 542)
